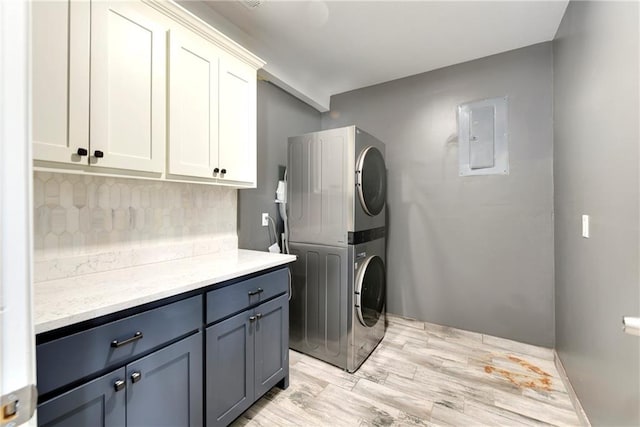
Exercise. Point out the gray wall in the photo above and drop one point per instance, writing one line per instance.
(475, 252)
(280, 115)
(596, 173)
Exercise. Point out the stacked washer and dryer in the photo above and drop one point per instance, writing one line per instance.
(336, 215)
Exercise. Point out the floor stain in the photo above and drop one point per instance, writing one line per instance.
(541, 380)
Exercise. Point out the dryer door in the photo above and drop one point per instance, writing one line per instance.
(371, 180)
(370, 290)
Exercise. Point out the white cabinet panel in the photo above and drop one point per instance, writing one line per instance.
(193, 94)
(212, 112)
(237, 146)
(60, 80)
(128, 93)
(102, 102)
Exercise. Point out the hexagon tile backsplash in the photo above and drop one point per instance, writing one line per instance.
(85, 224)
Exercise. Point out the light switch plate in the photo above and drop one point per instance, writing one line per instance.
(585, 226)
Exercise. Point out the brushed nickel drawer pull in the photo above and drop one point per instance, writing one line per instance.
(135, 337)
(136, 376)
(256, 292)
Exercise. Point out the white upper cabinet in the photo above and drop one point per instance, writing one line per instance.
(193, 107)
(99, 85)
(237, 147)
(212, 112)
(60, 80)
(128, 87)
(141, 88)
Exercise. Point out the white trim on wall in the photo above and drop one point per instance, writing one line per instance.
(17, 345)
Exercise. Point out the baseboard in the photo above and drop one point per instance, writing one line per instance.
(582, 416)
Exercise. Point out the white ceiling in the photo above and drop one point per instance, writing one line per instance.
(316, 48)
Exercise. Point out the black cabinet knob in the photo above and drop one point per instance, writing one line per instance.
(223, 171)
(82, 152)
(216, 170)
(99, 154)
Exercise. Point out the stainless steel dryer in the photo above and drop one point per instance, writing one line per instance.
(337, 308)
(336, 210)
(337, 185)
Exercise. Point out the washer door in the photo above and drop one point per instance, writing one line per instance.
(370, 290)
(371, 180)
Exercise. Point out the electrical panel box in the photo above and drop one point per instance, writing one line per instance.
(482, 137)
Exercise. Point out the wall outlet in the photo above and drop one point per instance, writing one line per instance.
(265, 219)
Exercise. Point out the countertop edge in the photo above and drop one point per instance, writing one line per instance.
(263, 262)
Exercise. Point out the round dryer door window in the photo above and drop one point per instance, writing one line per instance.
(372, 188)
(370, 286)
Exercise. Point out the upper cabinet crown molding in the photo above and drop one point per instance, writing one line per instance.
(197, 25)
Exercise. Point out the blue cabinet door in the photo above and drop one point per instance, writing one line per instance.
(271, 344)
(96, 403)
(229, 368)
(165, 387)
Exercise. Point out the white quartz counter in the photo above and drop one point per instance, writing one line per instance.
(63, 302)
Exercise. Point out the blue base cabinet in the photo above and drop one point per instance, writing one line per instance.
(165, 387)
(161, 389)
(271, 341)
(247, 354)
(186, 363)
(230, 352)
(96, 403)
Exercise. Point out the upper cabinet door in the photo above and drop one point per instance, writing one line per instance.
(237, 144)
(128, 87)
(193, 105)
(60, 76)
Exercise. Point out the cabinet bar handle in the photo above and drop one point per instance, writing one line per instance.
(116, 344)
(256, 292)
(82, 152)
(99, 154)
(136, 376)
(118, 385)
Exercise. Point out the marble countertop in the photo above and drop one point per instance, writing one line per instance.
(63, 302)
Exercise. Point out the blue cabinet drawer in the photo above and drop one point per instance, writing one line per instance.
(73, 357)
(234, 298)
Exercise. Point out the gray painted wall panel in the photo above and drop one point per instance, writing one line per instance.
(280, 116)
(470, 252)
(596, 173)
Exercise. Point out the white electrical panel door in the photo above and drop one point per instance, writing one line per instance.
(60, 80)
(128, 87)
(482, 137)
(193, 106)
(237, 142)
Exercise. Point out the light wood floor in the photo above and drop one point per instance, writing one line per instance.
(423, 374)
